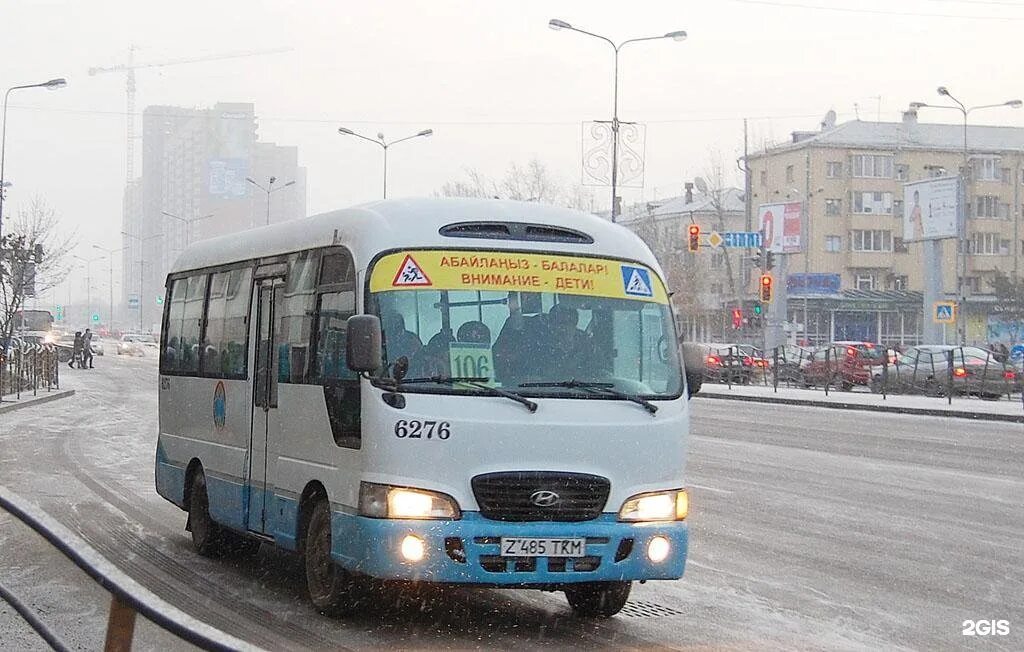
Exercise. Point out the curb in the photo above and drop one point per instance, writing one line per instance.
(52, 396)
(932, 412)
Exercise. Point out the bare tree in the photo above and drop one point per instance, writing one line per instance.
(35, 258)
(530, 182)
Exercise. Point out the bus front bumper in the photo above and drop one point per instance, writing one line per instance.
(468, 550)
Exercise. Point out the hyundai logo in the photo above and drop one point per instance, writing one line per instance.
(545, 498)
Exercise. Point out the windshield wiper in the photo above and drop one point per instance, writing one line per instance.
(472, 381)
(592, 386)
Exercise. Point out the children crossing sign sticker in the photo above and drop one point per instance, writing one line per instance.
(636, 281)
(410, 273)
(944, 312)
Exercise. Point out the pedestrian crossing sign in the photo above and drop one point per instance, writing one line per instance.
(944, 312)
(636, 282)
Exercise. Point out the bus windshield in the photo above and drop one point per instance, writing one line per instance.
(33, 320)
(518, 340)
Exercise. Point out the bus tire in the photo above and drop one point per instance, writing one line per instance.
(597, 599)
(207, 536)
(332, 591)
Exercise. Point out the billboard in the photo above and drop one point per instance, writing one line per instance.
(930, 209)
(780, 226)
(823, 284)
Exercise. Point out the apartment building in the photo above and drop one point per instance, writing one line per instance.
(195, 163)
(851, 177)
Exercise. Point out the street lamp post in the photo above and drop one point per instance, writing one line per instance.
(268, 189)
(189, 221)
(678, 35)
(384, 145)
(52, 85)
(142, 262)
(110, 269)
(961, 280)
(88, 284)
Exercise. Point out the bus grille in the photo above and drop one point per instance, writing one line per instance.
(511, 496)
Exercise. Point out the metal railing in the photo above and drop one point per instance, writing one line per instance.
(28, 367)
(128, 597)
(957, 371)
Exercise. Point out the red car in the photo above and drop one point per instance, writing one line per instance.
(844, 364)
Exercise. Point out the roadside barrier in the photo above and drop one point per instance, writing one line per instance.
(945, 373)
(27, 366)
(128, 597)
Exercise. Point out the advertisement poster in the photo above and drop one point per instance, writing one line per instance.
(930, 209)
(780, 226)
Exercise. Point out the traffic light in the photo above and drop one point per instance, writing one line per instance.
(757, 309)
(694, 231)
(766, 288)
(769, 261)
(737, 318)
(756, 258)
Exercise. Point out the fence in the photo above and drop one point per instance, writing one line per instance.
(942, 372)
(27, 366)
(128, 597)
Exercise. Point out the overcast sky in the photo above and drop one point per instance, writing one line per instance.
(495, 84)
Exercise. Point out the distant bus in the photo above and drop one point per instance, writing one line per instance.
(468, 392)
(33, 322)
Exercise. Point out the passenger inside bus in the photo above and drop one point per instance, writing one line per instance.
(398, 340)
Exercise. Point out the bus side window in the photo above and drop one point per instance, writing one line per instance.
(335, 303)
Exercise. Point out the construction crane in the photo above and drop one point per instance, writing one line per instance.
(129, 69)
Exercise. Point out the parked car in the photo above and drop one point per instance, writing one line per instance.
(844, 364)
(97, 346)
(732, 363)
(792, 360)
(926, 369)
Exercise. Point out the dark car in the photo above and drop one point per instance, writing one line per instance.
(844, 364)
(927, 369)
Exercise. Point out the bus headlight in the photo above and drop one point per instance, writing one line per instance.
(386, 501)
(656, 506)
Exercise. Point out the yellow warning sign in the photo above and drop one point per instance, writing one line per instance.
(516, 272)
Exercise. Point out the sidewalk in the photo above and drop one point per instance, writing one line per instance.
(962, 407)
(10, 403)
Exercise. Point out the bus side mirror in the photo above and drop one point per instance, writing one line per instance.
(362, 346)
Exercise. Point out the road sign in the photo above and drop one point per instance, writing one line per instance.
(944, 312)
(742, 239)
(60, 313)
(714, 240)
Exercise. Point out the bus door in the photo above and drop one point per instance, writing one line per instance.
(268, 290)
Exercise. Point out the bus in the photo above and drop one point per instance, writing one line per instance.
(34, 323)
(453, 391)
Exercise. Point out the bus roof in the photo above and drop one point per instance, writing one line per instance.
(415, 223)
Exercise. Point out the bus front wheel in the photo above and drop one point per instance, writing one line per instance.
(333, 591)
(208, 538)
(598, 599)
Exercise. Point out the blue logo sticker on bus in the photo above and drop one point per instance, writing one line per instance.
(636, 282)
(220, 407)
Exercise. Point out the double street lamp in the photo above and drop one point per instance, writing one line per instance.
(678, 35)
(189, 221)
(88, 283)
(110, 267)
(384, 145)
(51, 85)
(961, 281)
(142, 265)
(269, 188)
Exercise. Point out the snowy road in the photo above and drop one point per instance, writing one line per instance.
(811, 529)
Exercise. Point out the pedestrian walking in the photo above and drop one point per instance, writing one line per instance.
(87, 348)
(76, 351)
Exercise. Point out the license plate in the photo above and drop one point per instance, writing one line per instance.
(534, 547)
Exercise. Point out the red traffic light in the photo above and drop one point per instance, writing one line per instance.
(766, 288)
(694, 231)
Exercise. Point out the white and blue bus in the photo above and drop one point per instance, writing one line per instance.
(470, 392)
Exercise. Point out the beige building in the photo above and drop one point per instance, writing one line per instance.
(853, 174)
